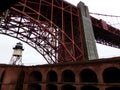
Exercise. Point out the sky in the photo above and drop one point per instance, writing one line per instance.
(32, 57)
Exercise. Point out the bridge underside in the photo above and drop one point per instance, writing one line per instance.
(36, 23)
(52, 27)
(106, 34)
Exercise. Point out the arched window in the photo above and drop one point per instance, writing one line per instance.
(68, 87)
(52, 76)
(51, 87)
(111, 75)
(68, 76)
(87, 75)
(113, 88)
(35, 79)
(35, 76)
(89, 88)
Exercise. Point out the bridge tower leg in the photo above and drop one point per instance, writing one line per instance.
(89, 39)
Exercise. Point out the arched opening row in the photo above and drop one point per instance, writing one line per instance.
(87, 75)
(67, 76)
(110, 75)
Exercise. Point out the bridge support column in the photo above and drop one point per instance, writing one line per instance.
(87, 31)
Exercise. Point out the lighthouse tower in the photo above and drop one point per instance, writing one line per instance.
(16, 58)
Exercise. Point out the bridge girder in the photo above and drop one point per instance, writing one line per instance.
(36, 23)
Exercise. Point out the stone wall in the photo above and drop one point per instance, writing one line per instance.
(91, 75)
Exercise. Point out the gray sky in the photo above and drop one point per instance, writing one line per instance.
(32, 57)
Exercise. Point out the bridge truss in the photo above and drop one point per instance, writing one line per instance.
(47, 26)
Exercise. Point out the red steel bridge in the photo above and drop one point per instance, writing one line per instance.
(53, 28)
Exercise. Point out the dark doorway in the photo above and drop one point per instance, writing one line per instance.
(68, 76)
(35, 79)
(111, 75)
(35, 76)
(52, 76)
(88, 75)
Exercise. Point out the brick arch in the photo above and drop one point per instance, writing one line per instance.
(108, 66)
(111, 75)
(38, 25)
(88, 75)
(35, 76)
(68, 76)
(52, 76)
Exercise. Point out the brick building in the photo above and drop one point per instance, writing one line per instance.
(102, 74)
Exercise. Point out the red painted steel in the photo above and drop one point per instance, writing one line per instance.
(53, 28)
(106, 34)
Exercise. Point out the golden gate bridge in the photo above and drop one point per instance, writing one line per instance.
(36, 23)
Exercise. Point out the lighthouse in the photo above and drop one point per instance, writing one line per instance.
(16, 58)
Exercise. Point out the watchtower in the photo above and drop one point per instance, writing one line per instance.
(17, 55)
